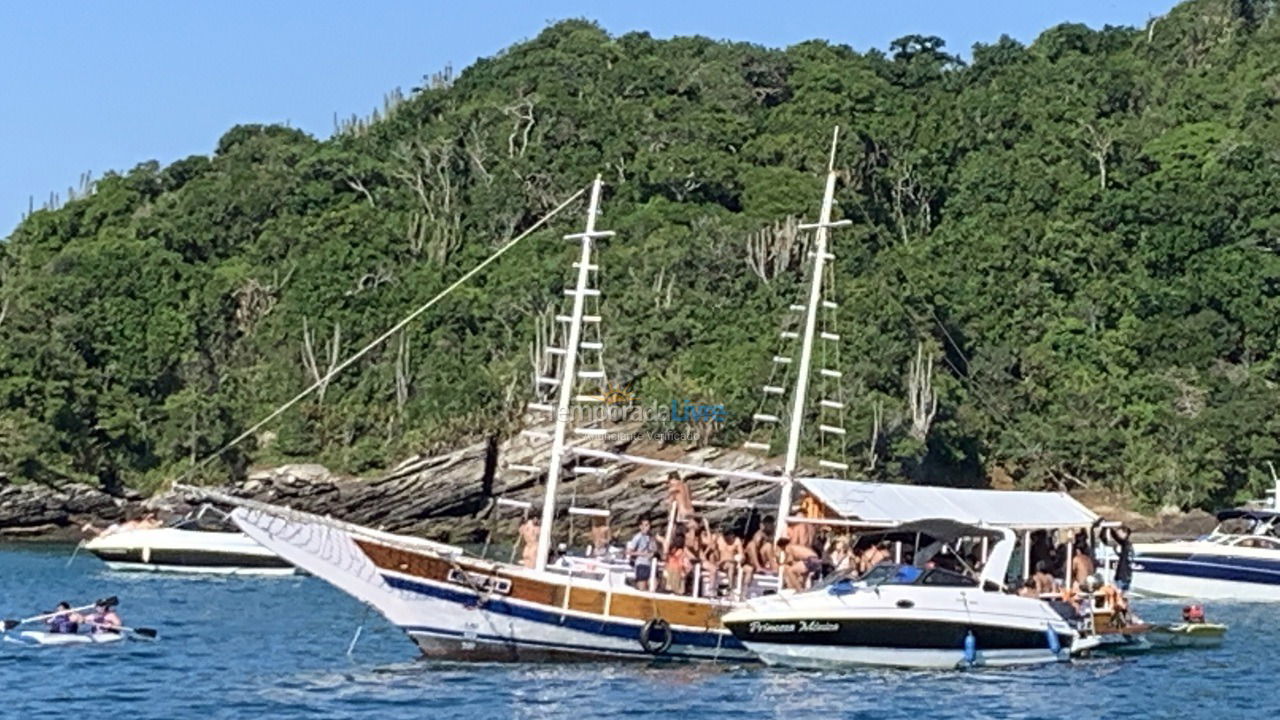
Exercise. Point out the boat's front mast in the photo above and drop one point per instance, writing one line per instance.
(800, 393)
(568, 374)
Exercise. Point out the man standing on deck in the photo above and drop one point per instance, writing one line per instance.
(641, 549)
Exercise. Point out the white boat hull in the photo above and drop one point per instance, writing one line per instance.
(820, 657)
(903, 626)
(40, 637)
(461, 620)
(1206, 571)
(187, 551)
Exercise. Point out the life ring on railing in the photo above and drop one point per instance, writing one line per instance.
(656, 636)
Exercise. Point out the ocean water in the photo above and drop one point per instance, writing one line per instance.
(277, 648)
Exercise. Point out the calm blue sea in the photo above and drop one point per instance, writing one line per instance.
(276, 648)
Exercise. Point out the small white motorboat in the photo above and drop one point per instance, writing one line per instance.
(186, 548)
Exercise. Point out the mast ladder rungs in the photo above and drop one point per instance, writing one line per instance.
(831, 429)
(825, 256)
(591, 345)
(520, 467)
(774, 390)
(593, 235)
(782, 359)
(583, 470)
(588, 398)
(548, 381)
(591, 432)
(833, 404)
(544, 407)
(764, 417)
(789, 334)
(830, 304)
(798, 308)
(593, 512)
(833, 465)
(590, 266)
(554, 351)
(587, 292)
(834, 337)
(830, 373)
(585, 318)
(828, 224)
(522, 504)
(536, 434)
(591, 374)
(751, 445)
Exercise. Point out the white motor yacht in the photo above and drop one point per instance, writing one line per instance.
(188, 547)
(911, 616)
(1239, 560)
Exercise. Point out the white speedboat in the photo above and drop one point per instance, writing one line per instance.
(911, 617)
(1239, 560)
(175, 549)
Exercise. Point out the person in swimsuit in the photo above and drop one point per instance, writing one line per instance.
(640, 551)
(678, 495)
(601, 534)
(529, 539)
(799, 562)
(104, 619)
(732, 557)
(1043, 578)
(677, 566)
(65, 622)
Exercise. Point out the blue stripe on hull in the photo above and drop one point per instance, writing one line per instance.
(1246, 570)
(710, 639)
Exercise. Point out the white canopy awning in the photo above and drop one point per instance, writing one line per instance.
(886, 503)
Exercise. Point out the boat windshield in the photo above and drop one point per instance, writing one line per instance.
(896, 574)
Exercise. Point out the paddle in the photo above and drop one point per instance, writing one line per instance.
(141, 632)
(11, 624)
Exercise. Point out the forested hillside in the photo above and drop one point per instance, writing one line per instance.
(1082, 233)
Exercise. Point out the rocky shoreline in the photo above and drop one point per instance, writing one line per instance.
(452, 497)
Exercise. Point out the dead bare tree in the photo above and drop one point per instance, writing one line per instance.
(877, 417)
(358, 186)
(663, 289)
(402, 372)
(911, 200)
(522, 125)
(427, 171)
(1098, 143)
(774, 248)
(921, 396)
(309, 356)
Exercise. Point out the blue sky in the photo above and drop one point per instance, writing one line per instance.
(96, 86)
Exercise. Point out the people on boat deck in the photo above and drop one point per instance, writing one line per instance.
(529, 542)
(65, 621)
(677, 566)
(678, 495)
(1119, 537)
(798, 563)
(759, 551)
(1044, 579)
(146, 522)
(104, 619)
(733, 563)
(601, 535)
(1082, 565)
(640, 551)
(841, 556)
(1028, 589)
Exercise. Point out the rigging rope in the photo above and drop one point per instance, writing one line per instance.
(380, 339)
